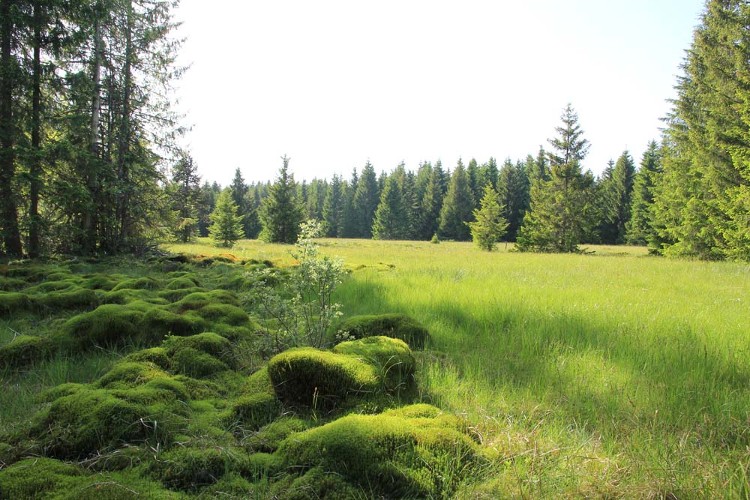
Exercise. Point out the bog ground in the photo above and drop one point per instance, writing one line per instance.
(613, 373)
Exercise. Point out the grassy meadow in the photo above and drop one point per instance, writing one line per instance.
(606, 374)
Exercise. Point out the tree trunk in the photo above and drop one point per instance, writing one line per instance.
(123, 153)
(90, 216)
(8, 210)
(35, 166)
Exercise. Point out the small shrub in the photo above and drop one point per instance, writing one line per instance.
(253, 411)
(25, 350)
(397, 326)
(320, 379)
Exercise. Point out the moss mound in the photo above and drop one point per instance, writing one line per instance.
(189, 469)
(108, 326)
(224, 313)
(200, 355)
(128, 374)
(397, 326)
(25, 350)
(387, 454)
(253, 411)
(166, 322)
(13, 302)
(320, 379)
(137, 284)
(269, 437)
(181, 283)
(391, 357)
(71, 298)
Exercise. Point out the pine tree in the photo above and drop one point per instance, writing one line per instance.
(226, 227)
(281, 212)
(432, 202)
(624, 177)
(605, 197)
(458, 206)
(239, 190)
(639, 230)
(513, 192)
(560, 212)
(490, 225)
(390, 222)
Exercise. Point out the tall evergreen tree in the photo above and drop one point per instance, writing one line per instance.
(365, 202)
(512, 191)
(238, 189)
(432, 203)
(624, 177)
(333, 207)
(561, 206)
(184, 193)
(639, 229)
(390, 223)
(458, 206)
(281, 212)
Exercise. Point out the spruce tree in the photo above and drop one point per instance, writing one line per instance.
(239, 190)
(490, 225)
(226, 227)
(513, 191)
(639, 229)
(365, 202)
(185, 192)
(281, 212)
(458, 206)
(333, 207)
(390, 222)
(561, 207)
(432, 202)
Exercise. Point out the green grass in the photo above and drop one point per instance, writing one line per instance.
(609, 374)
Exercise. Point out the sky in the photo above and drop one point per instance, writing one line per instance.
(333, 84)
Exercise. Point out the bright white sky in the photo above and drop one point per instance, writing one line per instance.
(335, 83)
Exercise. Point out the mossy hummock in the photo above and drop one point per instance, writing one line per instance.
(399, 326)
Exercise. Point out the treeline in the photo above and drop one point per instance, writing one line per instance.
(434, 202)
(85, 124)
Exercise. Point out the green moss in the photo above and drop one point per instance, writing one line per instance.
(11, 284)
(129, 374)
(189, 469)
(253, 411)
(94, 420)
(155, 355)
(126, 296)
(182, 283)
(137, 284)
(259, 382)
(25, 350)
(179, 294)
(262, 465)
(397, 326)
(225, 313)
(71, 298)
(60, 391)
(320, 379)
(195, 363)
(166, 322)
(395, 456)
(13, 303)
(36, 478)
(199, 300)
(50, 286)
(108, 325)
(269, 437)
(391, 357)
(317, 483)
(207, 342)
(99, 282)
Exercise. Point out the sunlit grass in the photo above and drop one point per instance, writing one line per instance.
(610, 373)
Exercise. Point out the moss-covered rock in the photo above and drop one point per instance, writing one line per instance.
(25, 350)
(253, 411)
(397, 326)
(320, 379)
(387, 454)
(391, 357)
